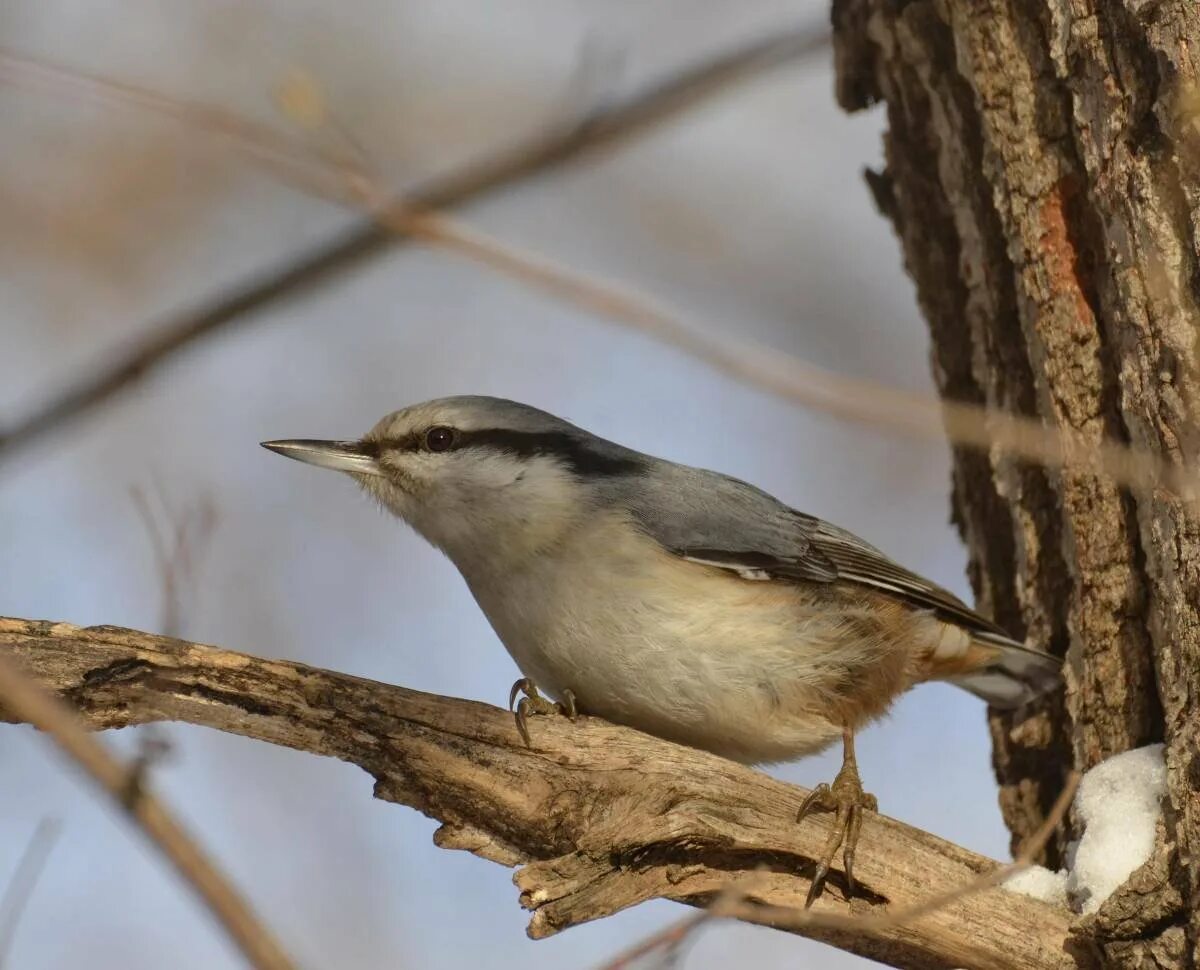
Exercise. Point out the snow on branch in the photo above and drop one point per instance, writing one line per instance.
(1119, 804)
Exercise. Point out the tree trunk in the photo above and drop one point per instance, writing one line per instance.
(1042, 175)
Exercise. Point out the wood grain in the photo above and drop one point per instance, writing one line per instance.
(596, 817)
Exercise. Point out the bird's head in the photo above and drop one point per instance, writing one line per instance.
(476, 474)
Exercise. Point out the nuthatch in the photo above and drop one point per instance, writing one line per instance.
(675, 600)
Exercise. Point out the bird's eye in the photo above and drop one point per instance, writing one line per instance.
(439, 438)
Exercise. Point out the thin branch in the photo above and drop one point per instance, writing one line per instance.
(792, 378)
(264, 143)
(599, 817)
(348, 179)
(670, 938)
(24, 881)
(178, 539)
(24, 699)
(605, 129)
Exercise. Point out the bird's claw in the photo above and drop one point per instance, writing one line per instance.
(847, 799)
(534, 703)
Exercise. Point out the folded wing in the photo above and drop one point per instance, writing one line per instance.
(720, 521)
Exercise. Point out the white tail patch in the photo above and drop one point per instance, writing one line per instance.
(943, 643)
(1017, 676)
(950, 643)
(1002, 672)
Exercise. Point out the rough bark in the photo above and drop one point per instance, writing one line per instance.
(599, 817)
(1041, 173)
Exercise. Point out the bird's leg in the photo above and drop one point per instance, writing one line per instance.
(847, 798)
(534, 703)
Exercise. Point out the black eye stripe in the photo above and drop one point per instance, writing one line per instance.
(578, 454)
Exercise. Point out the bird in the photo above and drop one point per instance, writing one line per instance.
(679, 601)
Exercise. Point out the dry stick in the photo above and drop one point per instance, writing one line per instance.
(346, 179)
(24, 881)
(794, 379)
(783, 374)
(25, 699)
(673, 936)
(601, 817)
(262, 141)
(606, 128)
(667, 938)
(175, 546)
(164, 562)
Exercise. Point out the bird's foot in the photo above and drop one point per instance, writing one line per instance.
(847, 798)
(534, 703)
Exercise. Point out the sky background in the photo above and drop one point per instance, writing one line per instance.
(749, 217)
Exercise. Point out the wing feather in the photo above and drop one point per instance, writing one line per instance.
(725, 523)
(857, 561)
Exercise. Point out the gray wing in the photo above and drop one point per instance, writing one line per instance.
(720, 521)
(859, 562)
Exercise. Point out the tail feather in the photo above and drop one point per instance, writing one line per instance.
(1017, 675)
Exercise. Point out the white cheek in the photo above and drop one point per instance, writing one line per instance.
(474, 472)
(489, 510)
(394, 499)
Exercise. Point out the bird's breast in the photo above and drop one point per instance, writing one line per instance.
(682, 650)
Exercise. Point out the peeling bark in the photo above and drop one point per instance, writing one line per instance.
(1041, 173)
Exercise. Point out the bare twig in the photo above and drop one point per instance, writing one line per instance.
(24, 881)
(178, 539)
(348, 179)
(671, 937)
(23, 698)
(863, 402)
(667, 940)
(605, 129)
(295, 159)
(600, 817)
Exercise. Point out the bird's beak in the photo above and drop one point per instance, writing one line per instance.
(343, 456)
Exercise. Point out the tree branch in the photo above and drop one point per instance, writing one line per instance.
(599, 817)
(605, 128)
(23, 882)
(353, 182)
(26, 700)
